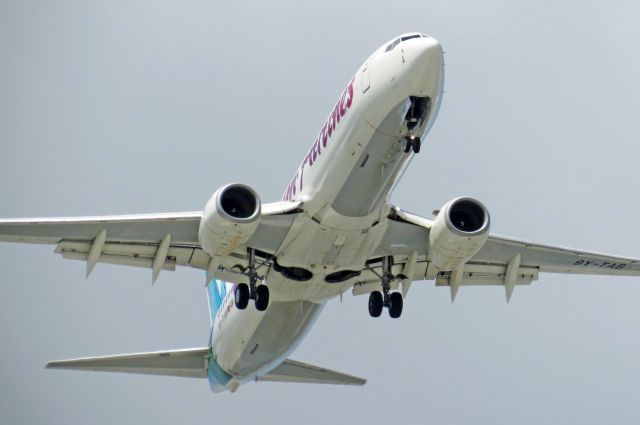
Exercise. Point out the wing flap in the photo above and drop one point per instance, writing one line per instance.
(294, 371)
(488, 275)
(188, 363)
(129, 254)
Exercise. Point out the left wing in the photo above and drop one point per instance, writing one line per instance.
(156, 241)
(501, 261)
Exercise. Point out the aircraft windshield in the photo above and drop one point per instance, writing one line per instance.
(399, 40)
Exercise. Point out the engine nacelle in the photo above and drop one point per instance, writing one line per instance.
(461, 228)
(229, 219)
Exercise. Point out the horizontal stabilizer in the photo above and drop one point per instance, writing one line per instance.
(293, 371)
(188, 363)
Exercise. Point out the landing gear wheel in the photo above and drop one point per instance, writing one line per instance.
(416, 145)
(395, 305)
(408, 144)
(241, 296)
(262, 297)
(375, 304)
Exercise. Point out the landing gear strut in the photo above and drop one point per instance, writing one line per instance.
(259, 293)
(412, 142)
(378, 300)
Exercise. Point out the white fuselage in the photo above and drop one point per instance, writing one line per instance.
(344, 183)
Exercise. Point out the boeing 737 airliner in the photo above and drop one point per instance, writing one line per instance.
(334, 230)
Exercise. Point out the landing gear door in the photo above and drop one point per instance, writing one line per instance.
(365, 81)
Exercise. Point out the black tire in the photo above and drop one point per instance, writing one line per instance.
(375, 304)
(241, 296)
(407, 145)
(262, 297)
(417, 143)
(395, 305)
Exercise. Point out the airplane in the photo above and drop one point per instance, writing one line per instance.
(334, 230)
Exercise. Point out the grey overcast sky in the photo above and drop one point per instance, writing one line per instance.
(148, 106)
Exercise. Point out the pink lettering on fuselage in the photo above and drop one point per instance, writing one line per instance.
(322, 140)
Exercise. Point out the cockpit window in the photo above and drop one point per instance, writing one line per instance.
(397, 41)
(409, 37)
(393, 44)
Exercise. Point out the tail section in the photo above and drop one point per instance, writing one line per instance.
(199, 363)
(188, 363)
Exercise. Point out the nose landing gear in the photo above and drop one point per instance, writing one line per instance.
(259, 293)
(392, 300)
(412, 143)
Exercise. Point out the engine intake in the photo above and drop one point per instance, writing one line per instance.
(240, 203)
(229, 219)
(459, 231)
(467, 215)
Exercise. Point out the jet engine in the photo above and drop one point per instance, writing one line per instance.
(229, 219)
(459, 231)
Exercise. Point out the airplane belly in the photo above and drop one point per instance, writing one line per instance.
(341, 228)
(370, 181)
(346, 179)
(252, 343)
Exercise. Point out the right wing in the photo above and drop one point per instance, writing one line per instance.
(155, 241)
(554, 259)
(509, 262)
(501, 261)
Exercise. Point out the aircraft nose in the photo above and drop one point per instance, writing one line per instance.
(425, 61)
(426, 53)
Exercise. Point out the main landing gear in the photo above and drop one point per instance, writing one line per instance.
(412, 142)
(378, 300)
(243, 292)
